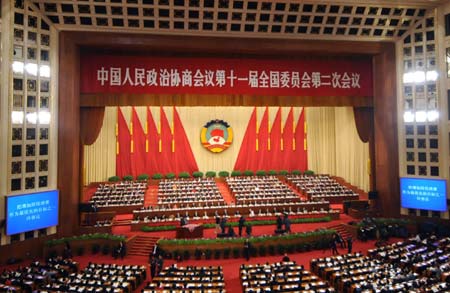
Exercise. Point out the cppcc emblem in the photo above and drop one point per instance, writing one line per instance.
(216, 136)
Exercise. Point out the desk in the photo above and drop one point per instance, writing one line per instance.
(190, 231)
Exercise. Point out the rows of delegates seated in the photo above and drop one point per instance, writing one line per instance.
(284, 276)
(402, 267)
(165, 213)
(321, 187)
(59, 275)
(37, 275)
(262, 189)
(125, 193)
(176, 279)
(183, 192)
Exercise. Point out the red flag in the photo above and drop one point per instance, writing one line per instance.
(138, 143)
(166, 143)
(184, 158)
(263, 138)
(153, 157)
(123, 162)
(274, 155)
(247, 153)
(301, 155)
(288, 136)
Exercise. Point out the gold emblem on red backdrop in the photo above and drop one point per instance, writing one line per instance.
(216, 136)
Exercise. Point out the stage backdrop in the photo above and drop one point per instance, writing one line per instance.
(332, 143)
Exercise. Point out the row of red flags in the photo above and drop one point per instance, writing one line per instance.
(164, 149)
(274, 147)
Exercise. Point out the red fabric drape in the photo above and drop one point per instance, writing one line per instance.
(138, 142)
(274, 162)
(263, 138)
(247, 153)
(91, 122)
(152, 158)
(166, 144)
(363, 122)
(300, 154)
(288, 136)
(184, 157)
(123, 162)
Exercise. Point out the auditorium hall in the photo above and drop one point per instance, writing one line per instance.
(224, 146)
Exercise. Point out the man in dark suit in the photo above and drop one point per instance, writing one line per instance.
(247, 249)
(183, 221)
(248, 230)
(279, 224)
(223, 223)
(241, 225)
(153, 266)
(121, 250)
(287, 223)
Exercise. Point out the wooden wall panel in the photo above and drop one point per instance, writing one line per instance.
(220, 100)
(386, 178)
(68, 136)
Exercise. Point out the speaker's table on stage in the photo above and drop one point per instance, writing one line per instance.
(190, 231)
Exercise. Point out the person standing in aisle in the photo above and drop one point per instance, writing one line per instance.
(247, 249)
(349, 244)
(241, 225)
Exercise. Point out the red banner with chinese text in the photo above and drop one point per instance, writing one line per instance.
(158, 75)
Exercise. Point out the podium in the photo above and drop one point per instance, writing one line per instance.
(189, 231)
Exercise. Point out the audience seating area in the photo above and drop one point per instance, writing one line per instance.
(125, 193)
(63, 275)
(184, 192)
(280, 277)
(189, 279)
(321, 187)
(37, 275)
(411, 266)
(262, 189)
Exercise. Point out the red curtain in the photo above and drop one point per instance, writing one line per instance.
(247, 152)
(138, 145)
(288, 137)
(91, 122)
(184, 157)
(364, 122)
(123, 162)
(300, 157)
(274, 162)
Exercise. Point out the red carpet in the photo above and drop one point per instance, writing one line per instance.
(227, 196)
(151, 196)
(88, 192)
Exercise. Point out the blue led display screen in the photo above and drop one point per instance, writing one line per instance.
(424, 194)
(32, 211)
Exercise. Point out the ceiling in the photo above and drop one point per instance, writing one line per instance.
(365, 20)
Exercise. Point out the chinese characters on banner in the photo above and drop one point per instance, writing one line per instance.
(136, 74)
